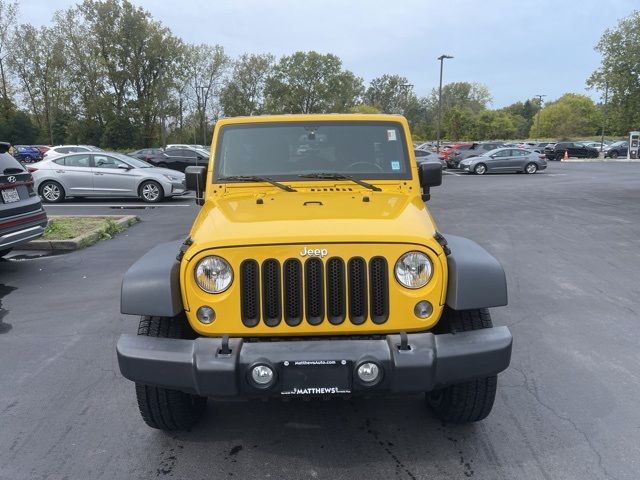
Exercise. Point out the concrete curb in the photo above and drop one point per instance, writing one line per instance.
(81, 241)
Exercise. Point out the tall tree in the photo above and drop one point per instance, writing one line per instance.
(205, 67)
(619, 71)
(569, 116)
(389, 93)
(8, 14)
(309, 82)
(39, 62)
(243, 92)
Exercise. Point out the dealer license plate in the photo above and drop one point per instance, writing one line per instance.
(10, 195)
(316, 377)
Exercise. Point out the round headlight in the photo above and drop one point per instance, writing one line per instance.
(213, 274)
(413, 270)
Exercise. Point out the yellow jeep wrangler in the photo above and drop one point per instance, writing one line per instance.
(313, 269)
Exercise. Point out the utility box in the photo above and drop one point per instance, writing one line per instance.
(634, 142)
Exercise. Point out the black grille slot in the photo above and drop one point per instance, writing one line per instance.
(314, 291)
(379, 294)
(336, 291)
(357, 274)
(271, 292)
(292, 280)
(249, 293)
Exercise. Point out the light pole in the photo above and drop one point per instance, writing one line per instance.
(441, 58)
(604, 116)
(539, 97)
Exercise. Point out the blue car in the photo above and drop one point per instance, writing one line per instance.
(26, 154)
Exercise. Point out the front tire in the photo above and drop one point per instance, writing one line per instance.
(531, 168)
(163, 408)
(613, 154)
(151, 192)
(468, 401)
(51, 192)
(480, 169)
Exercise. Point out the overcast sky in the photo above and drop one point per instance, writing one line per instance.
(518, 48)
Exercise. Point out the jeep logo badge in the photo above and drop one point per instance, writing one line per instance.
(11, 179)
(314, 252)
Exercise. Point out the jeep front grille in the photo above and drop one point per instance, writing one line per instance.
(295, 291)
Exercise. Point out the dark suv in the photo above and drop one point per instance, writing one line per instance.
(21, 215)
(573, 149)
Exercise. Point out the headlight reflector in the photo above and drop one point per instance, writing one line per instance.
(213, 274)
(413, 270)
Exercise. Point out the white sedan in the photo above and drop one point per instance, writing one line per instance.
(104, 174)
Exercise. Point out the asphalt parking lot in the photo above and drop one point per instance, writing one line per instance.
(566, 408)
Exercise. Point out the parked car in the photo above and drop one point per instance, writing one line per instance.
(181, 158)
(22, 218)
(191, 146)
(505, 160)
(64, 149)
(104, 174)
(154, 156)
(573, 149)
(475, 150)
(423, 156)
(26, 154)
(534, 146)
(617, 149)
(448, 153)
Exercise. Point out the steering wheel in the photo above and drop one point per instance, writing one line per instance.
(355, 164)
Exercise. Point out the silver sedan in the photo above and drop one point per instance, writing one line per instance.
(503, 160)
(104, 174)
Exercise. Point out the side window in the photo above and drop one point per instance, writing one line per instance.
(77, 161)
(503, 153)
(104, 161)
(520, 153)
(173, 152)
(64, 150)
(60, 161)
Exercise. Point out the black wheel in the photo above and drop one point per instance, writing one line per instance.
(559, 157)
(51, 191)
(163, 408)
(613, 154)
(151, 192)
(469, 401)
(480, 169)
(530, 168)
(5, 252)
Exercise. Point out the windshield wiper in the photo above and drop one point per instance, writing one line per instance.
(253, 178)
(340, 176)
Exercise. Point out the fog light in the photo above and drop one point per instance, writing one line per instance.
(368, 372)
(423, 309)
(262, 375)
(206, 315)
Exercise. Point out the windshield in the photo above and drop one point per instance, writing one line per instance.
(284, 151)
(134, 162)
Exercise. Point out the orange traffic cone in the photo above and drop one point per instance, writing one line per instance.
(566, 155)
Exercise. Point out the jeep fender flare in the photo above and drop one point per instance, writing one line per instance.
(151, 286)
(476, 278)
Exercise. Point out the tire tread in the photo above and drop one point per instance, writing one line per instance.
(164, 408)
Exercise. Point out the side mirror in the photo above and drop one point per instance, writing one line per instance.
(195, 179)
(124, 167)
(430, 175)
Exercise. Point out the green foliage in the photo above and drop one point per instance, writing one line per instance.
(389, 93)
(243, 91)
(620, 70)
(569, 116)
(309, 82)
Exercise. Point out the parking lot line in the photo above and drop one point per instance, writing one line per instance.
(125, 205)
(446, 172)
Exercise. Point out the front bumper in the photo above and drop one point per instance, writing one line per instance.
(200, 366)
